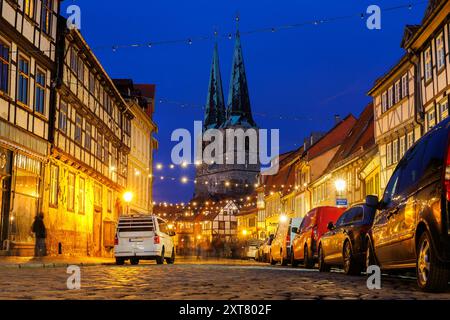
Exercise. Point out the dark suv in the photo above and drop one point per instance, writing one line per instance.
(411, 227)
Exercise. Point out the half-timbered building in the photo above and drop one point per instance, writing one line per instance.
(28, 31)
(88, 165)
(413, 96)
(430, 43)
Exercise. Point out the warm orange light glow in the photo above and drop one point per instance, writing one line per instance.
(128, 196)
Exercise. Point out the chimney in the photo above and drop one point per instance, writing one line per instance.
(337, 119)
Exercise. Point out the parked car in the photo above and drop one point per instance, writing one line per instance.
(412, 226)
(344, 245)
(143, 238)
(251, 249)
(264, 249)
(280, 250)
(314, 225)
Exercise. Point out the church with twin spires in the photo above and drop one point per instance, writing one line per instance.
(219, 181)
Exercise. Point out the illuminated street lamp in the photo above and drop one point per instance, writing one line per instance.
(283, 218)
(340, 185)
(244, 232)
(128, 197)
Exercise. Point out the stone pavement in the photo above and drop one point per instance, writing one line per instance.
(189, 280)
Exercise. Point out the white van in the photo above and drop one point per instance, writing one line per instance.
(143, 237)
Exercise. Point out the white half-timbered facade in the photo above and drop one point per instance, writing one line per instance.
(431, 44)
(28, 31)
(223, 225)
(395, 115)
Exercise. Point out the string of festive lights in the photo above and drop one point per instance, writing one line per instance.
(230, 35)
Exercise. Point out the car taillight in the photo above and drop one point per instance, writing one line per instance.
(288, 239)
(116, 240)
(156, 239)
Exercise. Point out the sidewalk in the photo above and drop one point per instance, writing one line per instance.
(51, 262)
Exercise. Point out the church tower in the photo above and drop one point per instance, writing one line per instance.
(228, 180)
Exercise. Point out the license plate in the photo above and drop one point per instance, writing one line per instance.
(136, 240)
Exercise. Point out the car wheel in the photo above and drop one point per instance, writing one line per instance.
(160, 260)
(432, 274)
(323, 267)
(134, 261)
(171, 260)
(350, 265)
(294, 263)
(120, 261)
(284, 261)
(307, 261)
(370, 257)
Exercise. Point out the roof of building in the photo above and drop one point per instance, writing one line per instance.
(248, 210)
(333, 138)
(360, 138)
(283, 181)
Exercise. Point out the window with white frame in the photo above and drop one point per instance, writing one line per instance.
(431, 119)
(428, 66)
(397, 92)
(404, 86)
(39, 99)
(389, 154)
(440, 51)
(63, 111)
(443, 109)
(390, 97)
(88, 137)
(78, 129)
(402, 146)
(384, 102)
(23, 80)
(410, 140)
(395, 151)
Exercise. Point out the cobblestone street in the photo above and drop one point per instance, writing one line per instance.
(193, 281)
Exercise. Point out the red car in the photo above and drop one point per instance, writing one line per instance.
(314, 225)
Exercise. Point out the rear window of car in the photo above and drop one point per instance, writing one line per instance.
(135, 225)
(434, 157)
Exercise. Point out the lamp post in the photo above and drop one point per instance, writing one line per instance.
(128, 197)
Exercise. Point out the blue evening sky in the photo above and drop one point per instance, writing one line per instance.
(313, 72)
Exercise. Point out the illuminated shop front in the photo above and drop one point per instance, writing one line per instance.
(19, 199)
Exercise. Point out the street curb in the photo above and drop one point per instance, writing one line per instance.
(52, 265)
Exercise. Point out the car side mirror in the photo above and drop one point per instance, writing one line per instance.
(330, 226)
(372, 201)
(294, 230)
